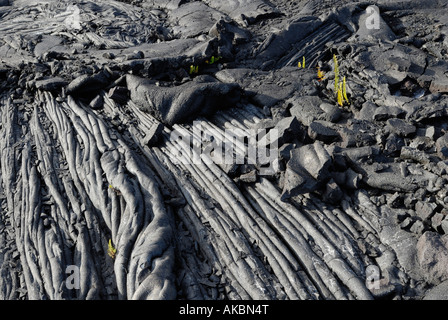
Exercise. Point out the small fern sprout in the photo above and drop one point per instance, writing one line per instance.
(213, 59)
(111, 250)
(340, 95)
(115, 189)
(194, 69)
(301, 64)
(320, 74)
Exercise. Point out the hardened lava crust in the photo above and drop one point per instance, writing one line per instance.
(223, 150)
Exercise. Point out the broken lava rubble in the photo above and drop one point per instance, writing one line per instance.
(95, 95)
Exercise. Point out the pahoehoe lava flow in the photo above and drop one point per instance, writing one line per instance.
(223, 150)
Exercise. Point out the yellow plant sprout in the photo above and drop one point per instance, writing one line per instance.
(115, 189)
(302, 64)
(320, 74)
(339, 95)
(213, 59)
(340, 88)
(194, 69)
(111, 251)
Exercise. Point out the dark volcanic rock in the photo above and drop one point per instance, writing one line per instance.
(386, 112)
(397, 62)
(408, 153)
(400, 127)
(297, 181)
(249, 177)
(50, 84)
(229, 34)
(432, 252)
(333, 193)
(244, 11)
(439, 292)
(425, 210)
(442, 146)
(192, 19)
(352, 179)
(119, 94)
(306, 109)
(97, 102)
(436, 74)
(163, 4)
(395, 201)
(367, 111)
(358, 133)
(311, 108)
(319, 130)
(389, 178)
(288, 129)
(393, 144)
(331, 112)
(181, 103)
(417, 227)
(100, 108)
(279, 43)
(269, 88)
(89, 84)
(436, 221)
(308, 167)
(285, 151)
(314, 158)
(152, 137)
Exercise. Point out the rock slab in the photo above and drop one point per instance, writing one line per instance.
(432, 254)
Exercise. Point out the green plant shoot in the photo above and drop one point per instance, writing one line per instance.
(111, 251)
(320, 74)
(213, 60)
(340, 95)
(194, 69)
